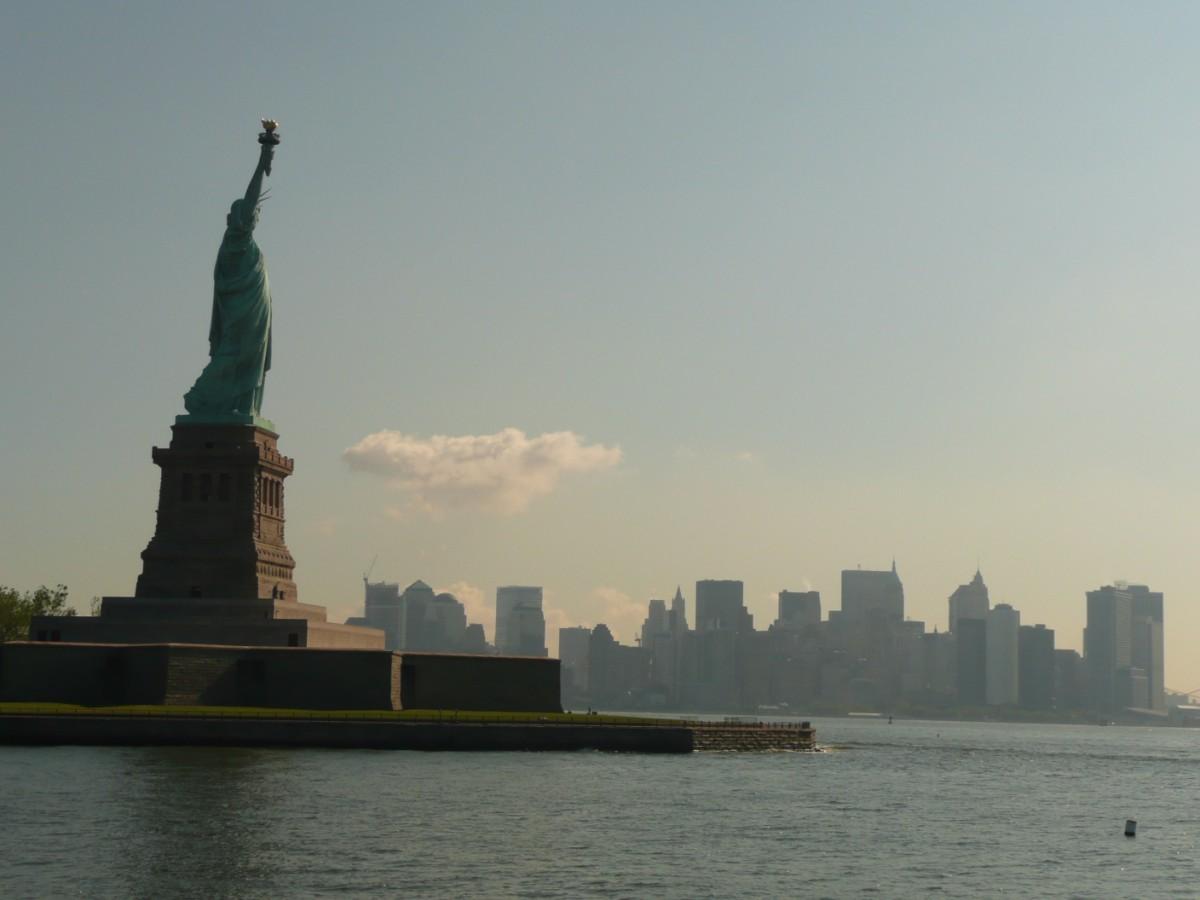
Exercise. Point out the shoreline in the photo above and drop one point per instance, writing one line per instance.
(430, 730)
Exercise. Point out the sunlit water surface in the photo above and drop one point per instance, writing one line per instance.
(907, 810)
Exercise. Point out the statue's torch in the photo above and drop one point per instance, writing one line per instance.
(269, 139)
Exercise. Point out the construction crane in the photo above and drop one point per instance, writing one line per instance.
(370, 569)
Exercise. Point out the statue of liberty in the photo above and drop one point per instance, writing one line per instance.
(230, 389)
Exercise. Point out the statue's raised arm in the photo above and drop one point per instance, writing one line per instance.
(230, 388)
(269, 140)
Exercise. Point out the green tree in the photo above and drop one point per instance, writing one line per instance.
(17, 608)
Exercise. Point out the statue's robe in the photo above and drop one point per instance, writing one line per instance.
(239, 337)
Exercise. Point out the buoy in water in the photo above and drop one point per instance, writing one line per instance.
(1130, 828)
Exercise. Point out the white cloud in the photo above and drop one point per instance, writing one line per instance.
(500, 472)
(474, 600)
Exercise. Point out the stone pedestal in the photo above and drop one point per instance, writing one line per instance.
(220, 528)
(217, 570)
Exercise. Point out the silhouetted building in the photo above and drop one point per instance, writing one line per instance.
(719, 607)
(798, 609)
(383, 610)
(416, 600)
(718, 683)
(445, 624)
(867, 593)
(656, 624)
(678, 614)
(1036, 667)
(971, 659)
(1135, 689)
(1070, 680)
(940, 664)
(1108, 647)
(969, 601)
(616, 674)
(520, 623)
(1003, 629)
(573, 646)
(474, 639)
(1147, 642)
(419, 620)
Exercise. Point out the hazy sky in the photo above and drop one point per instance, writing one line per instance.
(616, 296)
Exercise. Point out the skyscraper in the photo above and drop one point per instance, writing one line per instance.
(971, 661)
(798, 609)
(446, 624)
(509, 599)
(678, 614)
(719, 607)
(656, 623)
(1147, 642)
(1108, 646)
(1002, 631)
(418, 633)
(1036, 667)
(573, 652)
(867, 593)
(383, 609)
(969, 601)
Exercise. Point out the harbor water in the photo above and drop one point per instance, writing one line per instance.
(911, 809)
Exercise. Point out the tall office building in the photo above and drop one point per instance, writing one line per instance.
(606, 680)
(446, 624)
(1070, 682)
(866, 593)
(969, 601)
(383, 609)
(1002, 635)
(416, 600)
(971, 662)
(678, 614)
(1036, 667)
(719, 607)
(520, 623)
(656, 623)
(1108, 647)
(573, 652)
(1146, 649)
(798, 609)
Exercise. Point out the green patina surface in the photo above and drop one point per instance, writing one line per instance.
(239, 337)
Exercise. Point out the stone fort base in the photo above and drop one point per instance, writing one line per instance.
(273, 677)
(206, 620)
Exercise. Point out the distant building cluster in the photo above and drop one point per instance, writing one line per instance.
(867, 656)
(864, 656)
(418, 619)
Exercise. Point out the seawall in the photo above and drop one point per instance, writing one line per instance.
(162, 726)
(196, 731)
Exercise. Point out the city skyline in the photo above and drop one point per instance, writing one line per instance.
(868, 657)
(968, 600)
(609, 299)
